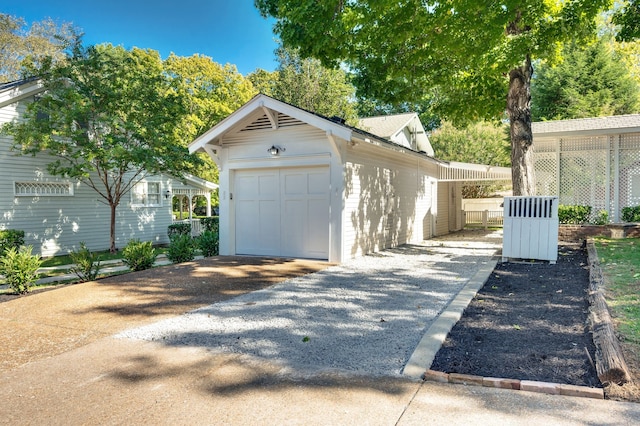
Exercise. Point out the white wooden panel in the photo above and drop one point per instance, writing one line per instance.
(257, 212)
(530, 228)
(283, 212)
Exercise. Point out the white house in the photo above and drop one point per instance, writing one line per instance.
(590, 161)
(296, 184)
(57, 214)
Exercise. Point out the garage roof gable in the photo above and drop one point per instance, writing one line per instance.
(262, 105)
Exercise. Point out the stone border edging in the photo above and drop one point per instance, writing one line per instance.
(514, 384)
(432, 340)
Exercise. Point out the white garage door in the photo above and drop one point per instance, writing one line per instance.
(282, 212)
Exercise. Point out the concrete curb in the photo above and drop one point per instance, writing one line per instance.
(432, 340)
(514, 384)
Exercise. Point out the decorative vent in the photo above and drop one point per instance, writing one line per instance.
(42, 189)
(263, 123)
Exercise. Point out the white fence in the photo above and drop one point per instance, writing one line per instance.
(485, 218)
(530, 228)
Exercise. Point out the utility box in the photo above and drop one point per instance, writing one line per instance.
(530, 228)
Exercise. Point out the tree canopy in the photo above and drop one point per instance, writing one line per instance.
(591, 81)
(307, 84)
(469, 56)
(23, 49)
(109, 117)
(628, 18)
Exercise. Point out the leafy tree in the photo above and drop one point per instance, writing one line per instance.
(23, 49)
(264, 81)
(307, 84)
(211, 91)
(469, 56)
(109, 118)
(480, 143)
(592, 81)
(629, 20)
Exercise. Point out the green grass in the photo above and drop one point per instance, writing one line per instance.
(620, 261)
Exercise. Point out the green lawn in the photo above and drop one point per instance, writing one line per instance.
(620, 261)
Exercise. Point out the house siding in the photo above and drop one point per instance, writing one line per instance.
(388, 200)
(55, 225)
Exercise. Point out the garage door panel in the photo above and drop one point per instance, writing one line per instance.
(289, 215)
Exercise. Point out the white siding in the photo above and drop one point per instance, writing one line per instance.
(388, 199)
(57, 224)
(442, 214)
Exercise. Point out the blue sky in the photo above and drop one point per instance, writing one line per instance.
(228, 31)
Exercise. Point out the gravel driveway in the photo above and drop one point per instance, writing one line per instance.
(365, 316)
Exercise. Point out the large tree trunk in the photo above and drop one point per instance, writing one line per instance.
(519, 111)
(112, 229)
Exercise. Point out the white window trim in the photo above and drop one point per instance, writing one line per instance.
(146, 194)
(42, 189)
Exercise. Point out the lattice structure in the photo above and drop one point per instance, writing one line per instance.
(599, 171)
(42, 189)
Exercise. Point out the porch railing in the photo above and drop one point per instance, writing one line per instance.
(196, 226)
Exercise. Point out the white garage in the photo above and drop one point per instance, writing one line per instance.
(283, 212)
(296, 184)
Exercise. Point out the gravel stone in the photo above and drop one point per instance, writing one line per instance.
(365, 316)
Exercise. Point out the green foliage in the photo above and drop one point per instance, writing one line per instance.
(87, 263)
(574, 215)
(181, 249)
(592, 81)
(631, 214)
(111, 117)
(20, 268)
(208, 243)
(25, 48)
(602, 218)
(307, 84)
(11, 238)
(180, 228)
(405, 51)
(628, 19)
(211, 223)
(479, 143)
(138, 255)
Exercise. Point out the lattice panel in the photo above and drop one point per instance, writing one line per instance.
(594, 143)
(629, 164)
(584, 179)
(545, 146)
(588, 170)
(546, 173)
(50, 189)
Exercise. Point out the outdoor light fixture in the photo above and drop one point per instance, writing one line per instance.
(167, 194)
(275, 150)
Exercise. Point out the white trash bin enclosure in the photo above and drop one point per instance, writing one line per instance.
(530, 228)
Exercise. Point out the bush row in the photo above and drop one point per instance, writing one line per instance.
(19, 265)
(578, 215)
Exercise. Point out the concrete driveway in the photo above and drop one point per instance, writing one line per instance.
(61, 364)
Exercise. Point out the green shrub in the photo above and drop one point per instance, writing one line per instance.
(180, 228)
(20, 268)
(574, 215)
(87, 264)
(11, 238)
(138, 255)
(631, 214)
(602, 218)
(208, 243)
(181, 249)
(211, 223)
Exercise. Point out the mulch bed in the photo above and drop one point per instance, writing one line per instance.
(528, 322)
